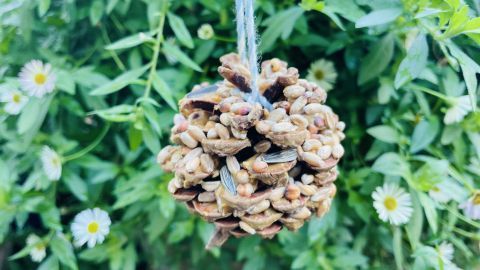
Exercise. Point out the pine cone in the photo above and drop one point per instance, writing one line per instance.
(245, 168)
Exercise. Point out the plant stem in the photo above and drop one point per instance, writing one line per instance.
(90, 147)
(474, 236)
(156, 49)
(462, 217)
(114, 55)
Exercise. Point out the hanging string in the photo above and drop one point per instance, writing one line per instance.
(246, 24)
(240, 11)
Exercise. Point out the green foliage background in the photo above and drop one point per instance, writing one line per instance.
(117, 93)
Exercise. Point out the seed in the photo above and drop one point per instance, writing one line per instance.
(196, 133)
(307, 190)
(241, 108)
(258, 208)
(276, 64)
(324, 152)
(331, 123)
(312, 129)
(313, 108)
(233, 165)
(293, 91)
(340, 135)
(207, 164)
(307, 179)
(338, 151)
(277, 115)
(299, 120)
(181, 127)
(341, 126)
(164, 154)
(263, 127)
(312, 159)
(321, 194)
(246, 227)
(242, 177)
(206, 197)
(293, 192)
(171, 186)
(178, 182)
(188, 140)
(239, 134)
(302, 213)
(245, 190)
(262, 146)
(319, 122)
(283, 127)
(210, 185)
(224, 107)
(194, 153)
(311, 144)
(295, 171)
(212, 133)
(259, 166)
(192, 165)
(277, 194)
(225, 119)
(327, 140)
(297, 105)
(222, 131)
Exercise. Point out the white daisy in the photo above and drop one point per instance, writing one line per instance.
(393, 204)
(205, 31)
(461, 106)
(445, 253)
(471, 208)
(323, 73)
(51, 162)
(440, 193)
(37, 79)
(14, 100)
(38, 252)
(91, 225)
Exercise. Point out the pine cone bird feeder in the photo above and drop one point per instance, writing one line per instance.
(254, 168)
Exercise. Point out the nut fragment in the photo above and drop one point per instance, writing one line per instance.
(259, 166)
(293, 192)
(188, 140)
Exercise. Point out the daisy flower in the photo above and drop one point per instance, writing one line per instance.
(392, 204)
(37, 79)
(445, 253)
(471, 208)
(459, 109)
(440, 193)
(90, 226)
(52, 165)
(14, 100)
(38, 252)
(323, 73)
(205, 31)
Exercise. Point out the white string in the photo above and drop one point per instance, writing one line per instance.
(246, 23)
(252, 49)
(240, 11)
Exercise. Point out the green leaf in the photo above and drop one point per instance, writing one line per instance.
(96, 11)
(51, 263)
(280, 24)
(43, 6)
(469, 70)
(386, 90)
(312, 5)
(131, 41)
(392, 164)
(134, 137)
(111, 5)
(414, 63)
(378, 17)
(180, 56)
(430, 211)
(424, 134)
(33, 114)
(151, 139)
(63, 250)
(119, 82)
(376, 60)
(180, 30)
(181, 230)
(119, 113)
(457, 23)
(303, 259)
(415, 225)
(76, 185)
(65, 82)
(384, 133)
(164, 90)
(397, 247)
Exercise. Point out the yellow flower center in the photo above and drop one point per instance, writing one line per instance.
(319, 75)
(93, 227)
(435, 189)
(476, 199)
(390, 203)
(40, 78)
(16, 98)
(55, 161)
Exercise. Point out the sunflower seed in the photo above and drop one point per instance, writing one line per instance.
(227, 180)
(281, 156)
(232, 164)
(207, 163)
(202, 92)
